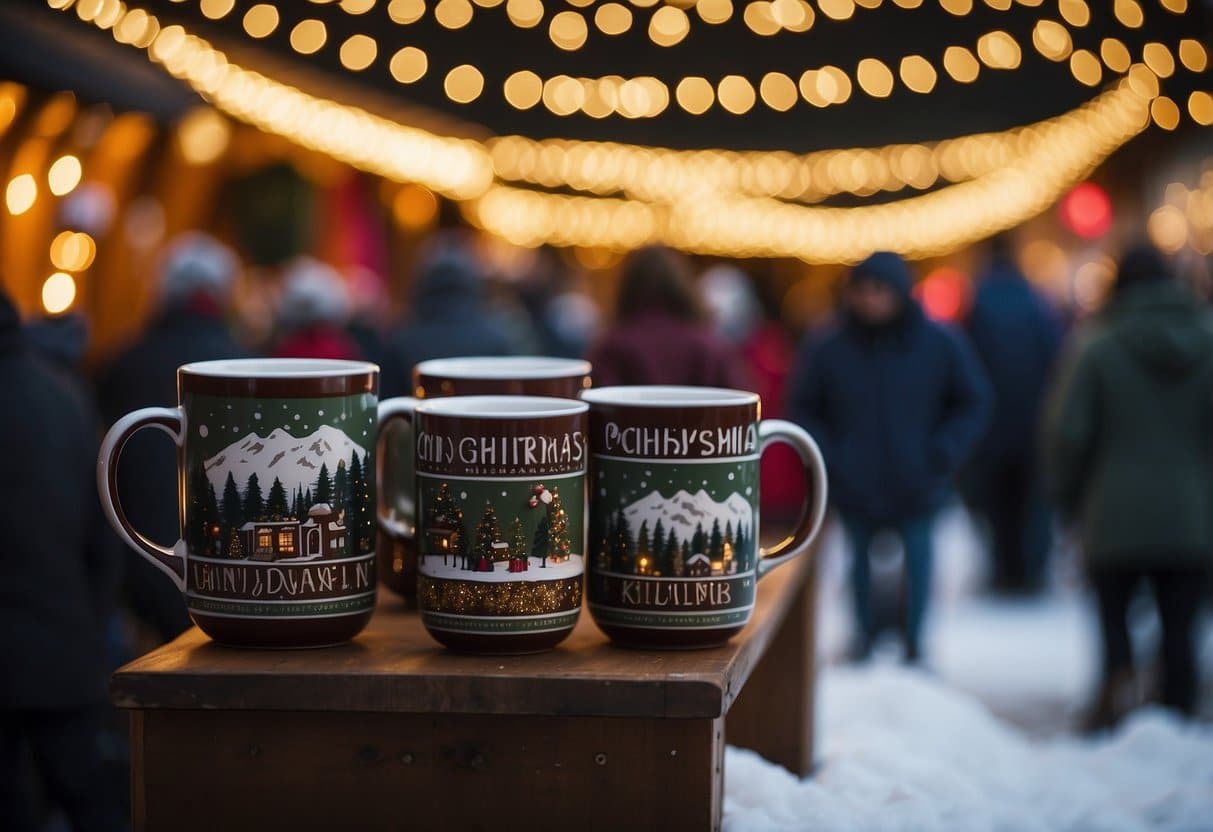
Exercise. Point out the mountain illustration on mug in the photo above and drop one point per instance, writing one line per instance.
(282, 498)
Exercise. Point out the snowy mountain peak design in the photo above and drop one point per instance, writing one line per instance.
(295, 460)
(684, 511)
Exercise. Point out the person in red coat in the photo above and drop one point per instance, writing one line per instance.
(313, 312)
(661, 334)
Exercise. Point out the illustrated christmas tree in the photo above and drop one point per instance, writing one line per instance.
(560, 546)
(254, 505)
(275, 503)
(518, 543)
(488, 532)
(235, 546)
(441, 514)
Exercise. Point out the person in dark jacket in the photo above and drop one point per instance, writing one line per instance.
(58, 577)
(1017, 337)
(196, 281)
(661, 335)
(896, 402)
(448, 318)
(1129, 459)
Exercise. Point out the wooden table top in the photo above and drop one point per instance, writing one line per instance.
(394, 666)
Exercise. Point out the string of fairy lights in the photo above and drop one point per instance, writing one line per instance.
(719, 202)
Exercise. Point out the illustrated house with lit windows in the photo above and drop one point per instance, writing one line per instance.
(323, 535)
(698, 566)
(440, 540)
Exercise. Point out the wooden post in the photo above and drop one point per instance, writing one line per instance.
(773, 715)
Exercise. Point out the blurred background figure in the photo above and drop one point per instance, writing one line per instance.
(766, 352)
(58, 577)
(565, 319)
(448, 318)
(370, 306)
(661, 333)
(1129, 459)
(1016, 335)
(197, 276)
(897, 402)
(313, 313)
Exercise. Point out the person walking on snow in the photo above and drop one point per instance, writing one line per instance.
(896, 402)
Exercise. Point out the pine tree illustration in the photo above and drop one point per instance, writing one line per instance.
(518, 541)
(275, 501)
(254, 505)
(715, 543)
(341, 489)
(459, 542)
(673, 555)
(324, 485)
(233, 510)
(360, 521)
(560, 547)
(235, 546)
(487, 533)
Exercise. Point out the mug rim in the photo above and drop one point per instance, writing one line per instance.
(502, 407)
(298, 368)
(503, 367)
(669, 395)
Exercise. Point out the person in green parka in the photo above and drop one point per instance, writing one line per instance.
(1129, 460)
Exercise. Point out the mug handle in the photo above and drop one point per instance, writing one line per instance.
(813, 513)
(171, 420)
(400, 408)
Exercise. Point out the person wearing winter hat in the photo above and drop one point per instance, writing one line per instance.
(312, 313)
(896, 402)
(59, 569)
(1128, 455)
(197, 275)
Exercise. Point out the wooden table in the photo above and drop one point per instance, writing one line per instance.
(394, 732)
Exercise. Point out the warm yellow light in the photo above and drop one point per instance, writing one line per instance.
(64, 175)
(613, 18)
(999, 5)
(20, 194)
(668, 26)
(488, 4)
(1168, 228)
(908, 4)
(453, 14)
(357, 6)
(1192, 55)
(918, 74)
(874, 78)
(837, 9)
(261, 20)
(714, 11)
(960, 64)
(1165, 112)
(1159, 59)
(1052, 40)
(215, 9)
(415, 207)
(1129, 13)
(957, 7)
(463, 84)
(568, 30)
(1175, 6)
(564, 95)
(203, 136)
(308, 36)
(408, 65)
(1142, 81)
(58, 293)
(1086, 68)
(736, 94)
(998, 50)
(358, 52)
(1200, 107)
(525, 14)
(1075, 12)
(695, 94)
(72, 251)
(778, 91)
(1115, 55)
(758, 18)
(794, 15)
(87, 10)
(406, 11)
(133, 26)
(523, 89)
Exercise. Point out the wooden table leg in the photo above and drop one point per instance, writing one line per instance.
(773, 715)
(233, 770)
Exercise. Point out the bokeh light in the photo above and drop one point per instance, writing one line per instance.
(58, 293)
(1087, 211)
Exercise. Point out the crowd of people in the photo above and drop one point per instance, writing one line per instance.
(1106, 431)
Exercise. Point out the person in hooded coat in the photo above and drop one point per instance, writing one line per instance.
(896, 402)
(313, 313)
(1017, 337)
(1129, 459)
(197, 277)
(59, 572)
(448, 319)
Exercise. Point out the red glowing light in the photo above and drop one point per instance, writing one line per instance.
(944, 294)
(1087, 211)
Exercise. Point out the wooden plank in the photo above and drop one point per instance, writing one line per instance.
(395, 666)
(774, 713)
(138, 774)
(307, 770)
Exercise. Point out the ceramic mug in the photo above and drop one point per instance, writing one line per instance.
(276, 485)
(674, 511)
(512, 375)
(500, 537)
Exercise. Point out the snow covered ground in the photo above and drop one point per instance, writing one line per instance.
(536, 571)
(982, 738)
